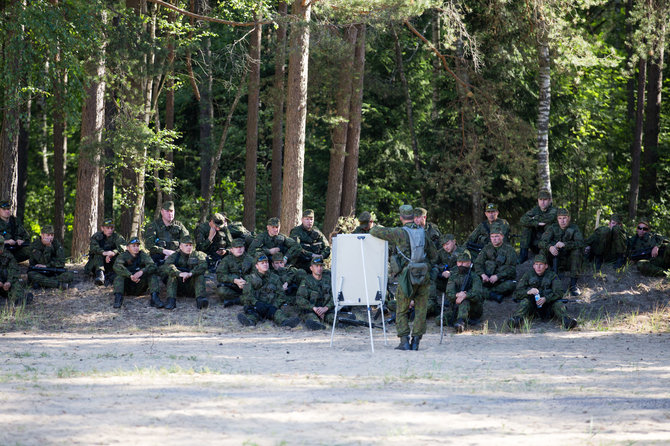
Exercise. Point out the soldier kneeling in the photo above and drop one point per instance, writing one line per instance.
(186, 271)
(10, 286)
(135, 273)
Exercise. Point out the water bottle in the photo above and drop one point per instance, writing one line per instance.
(537, 298)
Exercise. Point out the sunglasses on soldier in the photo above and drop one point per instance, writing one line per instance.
(643, 228)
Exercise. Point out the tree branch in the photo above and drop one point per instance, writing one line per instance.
(205, 18)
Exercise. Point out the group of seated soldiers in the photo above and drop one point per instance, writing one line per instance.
(282, 278)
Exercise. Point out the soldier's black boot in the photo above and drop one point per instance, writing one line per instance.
(118, 300)
(171, 304)
(156, 301)
(201, 302)
(291, 322)
(620, 261)
(415, 342)
(574, 289)
(515, 322)
(391, 319)
(599, 262)
(404, 343)
(569, 323)
(100, 277)
(523, 255)
(231, 302)
(460, 326)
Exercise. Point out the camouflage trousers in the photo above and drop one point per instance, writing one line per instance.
(50, 280)
(193, 287)
(503, 287)
(127, 287)
(611, 245)
(21, 253)
(97, 262)
(528, 309)
(311, 316)
(16, 293)
(227, 293)
(261, 311)
(466, 310)
(420, 297)
(530, 238)
(656, 267)
(570, 261)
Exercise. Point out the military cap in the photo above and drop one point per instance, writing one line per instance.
(273, 221)
(134, 240)
(366, 217)
(47, 229)
(237, 243)
(420, 212)
(108, 222)
(496, 228)
(219, 218)
(616, 218)
(563, 211)
(446, 237)
(544, 194)
(540, 258)
(261, 257)
(278, 257)
(4, 204)
(317, 261)
(491, 208)
(644, 220)
(308, 213)
(186, 239)
(406, 211)
(464, 256)
(168, 205)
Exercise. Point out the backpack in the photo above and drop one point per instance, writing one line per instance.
(417, 267)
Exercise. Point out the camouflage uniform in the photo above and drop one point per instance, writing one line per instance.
(12, 229)
(158, 237)
(446, 261)
(311, 242)
(643, 245)
(263, 298)
(237, 230)
(657, 266)
(364, 220)
(500, 261)
(481, 235)
(570, 257)
(222, 240)
(229, 269)
(433, 234)
(607, 244)
(291, 276)
(52, 257)
(532, 231)
(550, 287)
(472, 307)
(315, 293)
(195, 263)
(9, 272)
(99, 244)
(264, 242)
(126, 265)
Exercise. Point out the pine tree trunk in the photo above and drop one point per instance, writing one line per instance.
(636, 145)
(169, 106)
(22, 164)
(278, 113)
(652, 124)
(60, 154)
(544, 106)
(253, 103)
(437, 69)
(296, 118)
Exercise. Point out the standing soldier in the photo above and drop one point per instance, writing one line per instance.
(272, 242)
(136, 273)
(465, 294)
(608, 244)
(10, 285)
(213, 238)
(162, 235)
(367, 221)
(496, 265)
(17, 239)
(563, 243)
(534, 223)
(415, 255)
(186, 270)
(312, 241)
(539, 292)
(480, 236)
(315, 297)
(105, 246)
(47, 262)
(420, 218)
(263, 297)
(231, 272)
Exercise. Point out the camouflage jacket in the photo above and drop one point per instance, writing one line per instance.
(571, 236)
(473, 287)
(290, 275)
(158, 237)
(549, 285)
(315, 293)
(535, 216)
(311, 242)
(13, 230)
(237, 230)
(9, 269)
(500, 261)
(481, 234)
(433, 234)
(361, 229)
(231, 268)
(100, 243)
(195, 263)
(264, 242)
(400, 239)
(263, 287)
(644, 243)
(222, 239)
(126, 265)
(51, 256)
(446, 259)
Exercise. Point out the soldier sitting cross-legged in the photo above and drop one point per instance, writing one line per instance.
(136, 273)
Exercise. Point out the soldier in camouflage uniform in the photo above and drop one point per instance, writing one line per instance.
(290, 276)
(272, 242)
(539, 292)
(644, 245)
(465, 294)
(186, 270)
(263, 297)
(161, 236)
(237, 230)
(414, 278)
(420, 217)
(496, 265)
(480, 236)
(367, 221)
(562, 243)
(136, 273)
(440, 273)
(46, 252)
(315, 297)
(607, 244)
(658, 266)
(105, 246)
(535, 222)
(213, 238)
(231, 272)
(17, 239)
(312, 241)
(10, 285)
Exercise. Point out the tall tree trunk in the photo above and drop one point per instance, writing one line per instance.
(339, 149)
(296, 117)
(169, 106)
(278, 112)
(44, 128)
(544, 106)
(111, 113)
(253, 102)
(205, 106)
(437, 69)
(60, 152)
(636, 145)
(350, 175)
(22, 164)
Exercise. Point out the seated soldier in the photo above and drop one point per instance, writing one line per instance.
(539, 292)
(105, 246)
(161, 237)
(11, 287)
(17, 239)
(136, 273)
(186, 270)
(367, 221)
(644, 244)
(315, 297)
(237, 230)
(231, 272)
(263, 297)
(607, 244)
(272, 242)
(312, 241)
(440, 273)
(562, 243)
(213, 238)
(47, 262)
(480, 236)
(534, 223)
(658, 266)
(289, 276)
(465, 294)
(496, 265)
